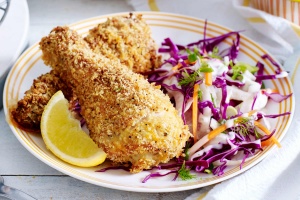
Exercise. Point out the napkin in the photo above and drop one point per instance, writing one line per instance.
(277, 176)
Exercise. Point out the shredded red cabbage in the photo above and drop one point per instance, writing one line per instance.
(277, 97)
(242, 138)
(268, 57)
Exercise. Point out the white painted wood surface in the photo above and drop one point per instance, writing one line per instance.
(22, 170)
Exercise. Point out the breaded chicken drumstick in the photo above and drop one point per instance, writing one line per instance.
(132, 120)
(128, 39)
(29, 109)
(125, 38)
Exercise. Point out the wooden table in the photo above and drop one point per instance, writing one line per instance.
(22, 170)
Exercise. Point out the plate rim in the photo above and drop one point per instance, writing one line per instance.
(146, 189)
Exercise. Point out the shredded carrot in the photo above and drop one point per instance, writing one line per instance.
(208, 78)
(176, 67)
(251, 112)
(223, 127)
(266, 143)
(195, 111)
(216, 131)
(264, 129)
(188, 62)
(274, 90)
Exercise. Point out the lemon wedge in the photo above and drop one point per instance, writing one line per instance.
(64, 137)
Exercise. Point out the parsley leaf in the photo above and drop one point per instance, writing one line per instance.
(193, 56)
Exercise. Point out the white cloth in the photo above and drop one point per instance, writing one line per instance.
(278, 175)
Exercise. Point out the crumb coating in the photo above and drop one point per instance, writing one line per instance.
(131, 119)
(125, 38)
(30, 108)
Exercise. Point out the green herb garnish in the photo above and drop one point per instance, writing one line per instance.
(193, 56)
(245, 126)
(240, 68)
(185, 173)
(200, 94)
(186, 150)
(190, 78)
(213, 100)
(205, 67)
(215, 53)
(209, 169)
(231, 64)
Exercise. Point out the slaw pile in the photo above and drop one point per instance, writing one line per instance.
(221, 99)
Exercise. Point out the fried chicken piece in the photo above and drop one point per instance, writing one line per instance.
(29, 109)
(125, 38)
(128, 39)
(129, 118)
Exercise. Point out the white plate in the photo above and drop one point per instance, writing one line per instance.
(182, 29)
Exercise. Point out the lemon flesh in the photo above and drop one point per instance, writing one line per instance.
(64, 137)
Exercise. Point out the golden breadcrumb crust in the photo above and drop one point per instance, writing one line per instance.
(128, 39)
(29, 109)
(125, 38)
(132, 120)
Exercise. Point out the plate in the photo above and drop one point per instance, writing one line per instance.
(182, 30)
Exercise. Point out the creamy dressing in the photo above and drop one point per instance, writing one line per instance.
(215, 143)
(178, 96)
(218, 67)
(249, 95)
(250, 84)
(204, 119)
(282, 75)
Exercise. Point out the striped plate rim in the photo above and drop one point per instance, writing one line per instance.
(21, 70)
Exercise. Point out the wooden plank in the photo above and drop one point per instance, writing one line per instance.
(15, 159)
(57, 187)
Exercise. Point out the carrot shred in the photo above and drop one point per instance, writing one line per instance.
(223, 127)
(195, 111)
(188, 62)
(266, 143)
(274, 90)
(251, 112)
(216, 131)
(264, 129)
(208, 78)
(176, 67)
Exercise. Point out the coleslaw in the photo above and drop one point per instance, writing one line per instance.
(221, 99)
